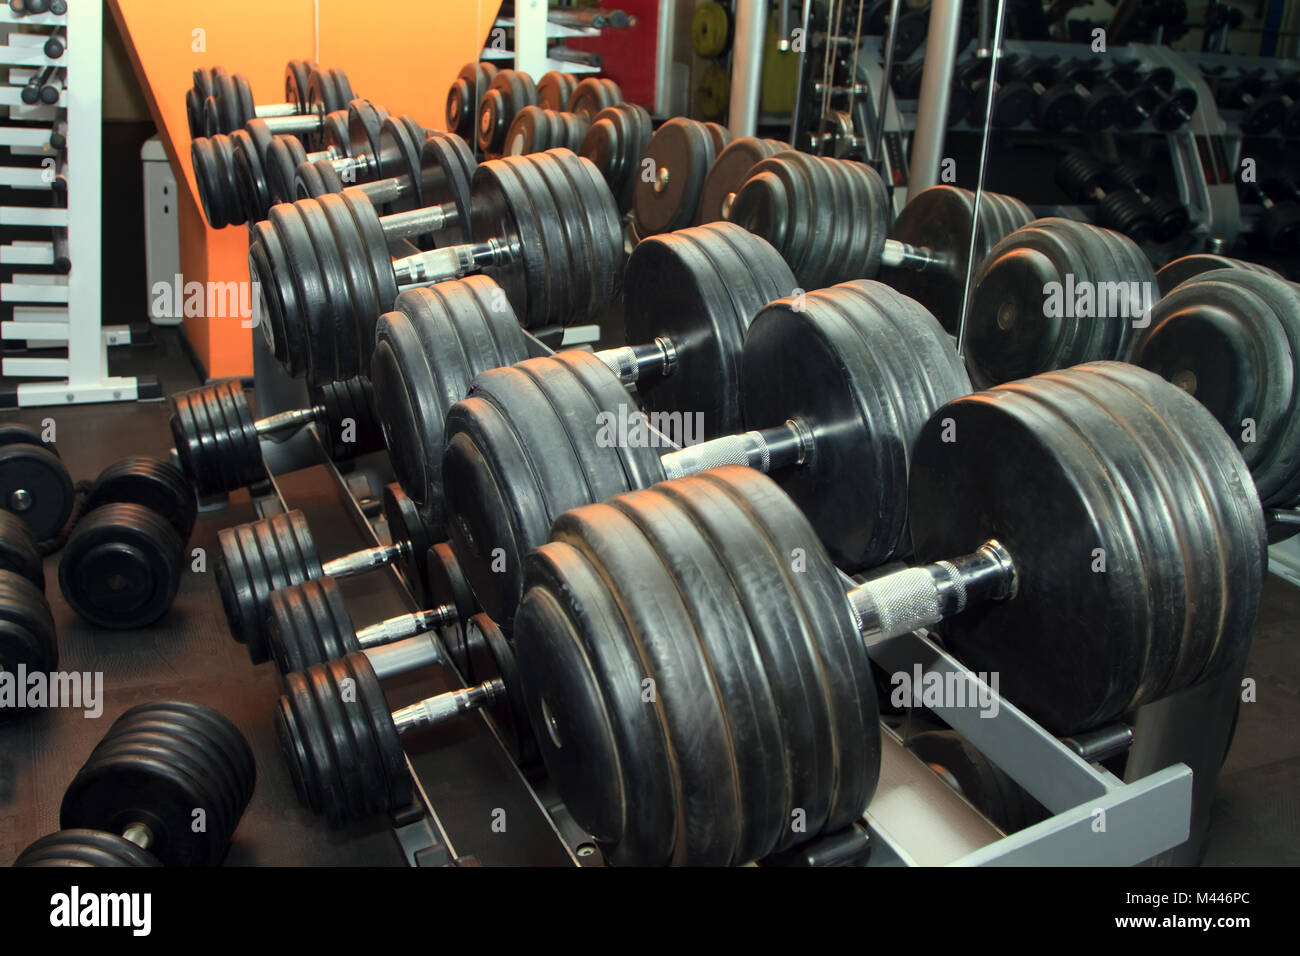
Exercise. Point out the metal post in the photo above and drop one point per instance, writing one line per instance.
(936, 82)
(747, 66)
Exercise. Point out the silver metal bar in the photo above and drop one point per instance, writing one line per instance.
(433, 711)
(450, 262)
(787, 444)
(631, 363)
(404, 656)
(907, 256)
(405, 625)
(385, 191)
(359, 561)
(799, 76)
(418, 222)
(296, 123)
(878, 133)
(294, 418)
(747, 66)
(932, 106)
(270, 110)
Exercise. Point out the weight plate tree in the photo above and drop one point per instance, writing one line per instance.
(1052, 294)
(545, 228)
(615, 143)
(690, 297)
(219, 444)
(135, 800)
(34, 483)
(844, 378)
(763, 688)
(1230, 338)
(366, 772)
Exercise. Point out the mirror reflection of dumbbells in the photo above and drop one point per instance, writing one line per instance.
(219, 446)
(753, 723)
(136, 799)
(1120, 202)
(121, 565)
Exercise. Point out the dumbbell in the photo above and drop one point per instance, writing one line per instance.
(221, 103)
(1059, 103)
(681, 151)
(1013, 100)
(1084, 178)
(729, 171)
(343, 700)
(1179, 103)
(766, 693)
(834, 385)
(829, 217)
(1151, 96)
(1179, 270)
(257, 558)
(44, 87)
(1263, 109)
(19, 552)
(137, 799)
(1171, 216)
(1102, 98)
(508, 92)
(545, 228)
(690, 296)
(1030, 311)
(555, 89)
(1279, 225)
(1288, 85)
(219, 444)
(27, 635)
(535, 129)
(242, 175)
(34, 483)
(615, 142)
(25, 7)
(1230, 338)
(121, 566)
(470, 86)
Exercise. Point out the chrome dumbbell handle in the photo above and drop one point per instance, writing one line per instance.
(631, 363)
(765, 450)
(450, 262)
(361, 561)
(406, 625)
(294, 418)
(433, 711)
(903, 255)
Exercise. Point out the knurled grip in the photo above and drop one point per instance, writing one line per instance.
(897, 603)
(621, 361)
(748, 449)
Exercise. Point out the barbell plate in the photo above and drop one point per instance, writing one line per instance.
(372, 235)
(682, 151)
(363, 298)
(308, 623)
(728, 173)
(615, 142)
(36, 470)
(446, 167)
(302, 269)
(346, 316)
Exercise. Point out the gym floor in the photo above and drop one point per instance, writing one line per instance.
(189, 655)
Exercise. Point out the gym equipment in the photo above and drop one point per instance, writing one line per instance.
(1082, 178)
(1279, 225)
(711, 30)
(134, 801)
(729, 171)
(848, 374)
(594, 94)
(1052, 294)
(309, 623)
(1151, 96)
(121, 566)
(615, 142)
(828, 218)
(545, 228)
(1102, 99)
(555, 89)
(219, 444)
(19, 552)
(1058, 103)
(1170, 216)
(221, 103)
(507, 93)
(681, 151)
(471, 84)
(1014, 100)
(1263, 109)
(1179, 270)
(690, 297)
(258, 557)
(535, 129)
(764, 700)
(34, 483)
(1230, 338)
(157, 485)
(27, 634)
(368, 775)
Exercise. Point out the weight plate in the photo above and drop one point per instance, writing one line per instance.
(615, 142)
(681, 151)
(27, 635)
(554, 90)
(593, 95)
(345, 314)
(18, 550)
(214, 174)
(35, 486)
(364, 299)
(1181, 269)
(250, 179)
(364, 120)
(296, 77)
(303, 271)
(508, 93)
(462, 98)
(84, 848)
(157, 485)
(728, 173)
(308, 624)
(243, 103)
(372, 235)
(711, 30)
(446, 167)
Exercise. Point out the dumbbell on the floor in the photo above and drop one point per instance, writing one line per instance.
(137, 799)
(27, 635)
(842, 378)
(545, 227)
(34, 482)
(1230, 338)
(221, 103)
(344, 698)
(690, 296)
(469, 87)
(1084, 179)
(615, 142)
(800, 203)
(752, 724)
(121, 565)
(682, 152)
(19, 552)
(1017, 327)
(219, 444)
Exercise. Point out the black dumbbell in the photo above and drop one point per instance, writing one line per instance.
(1011, 330)
(257, 558)
(730, 169)
(19, 552)
(680, 152)
(219, 444)
(34, 483)
(535, 129)
(834, 386)
(220, 103)
(1263, 108)
(157, 485)
(1170, 217)
(804, 204)
(470, 86)
(1103, 100)
(545, 227)
(1178, 104)
(690, 296)
(1279, 225)
(615, 142)
(754, 723)
(137, 799)
(508, 92)
(554, 90)
(1179, 270)
(344, 696)
(1013, 99)
(1084, 179)
(1059, 103)
(27, 636)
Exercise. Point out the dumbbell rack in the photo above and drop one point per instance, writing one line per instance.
(52, 310)
(463, 772)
